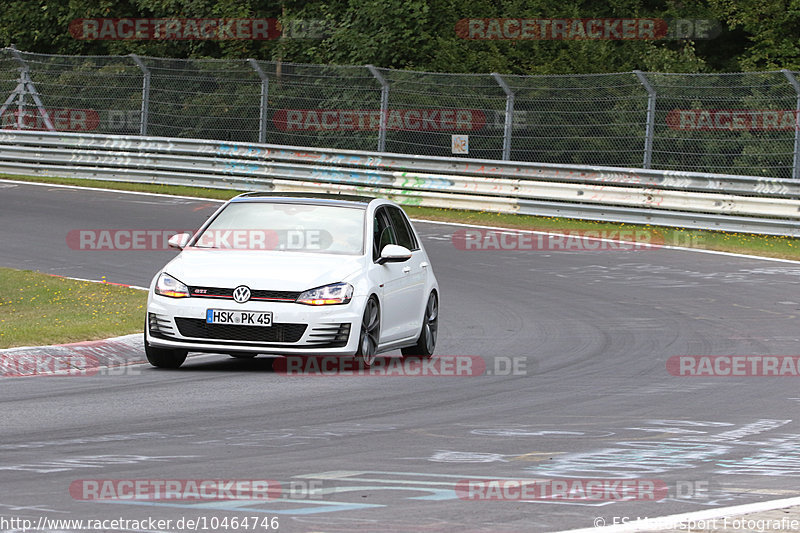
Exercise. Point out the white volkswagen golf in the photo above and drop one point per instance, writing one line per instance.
(295, 275)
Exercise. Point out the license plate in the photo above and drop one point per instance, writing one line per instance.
(239, 318)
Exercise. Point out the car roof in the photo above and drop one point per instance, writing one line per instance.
(343, 200)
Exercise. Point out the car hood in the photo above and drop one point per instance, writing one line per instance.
(266, 270)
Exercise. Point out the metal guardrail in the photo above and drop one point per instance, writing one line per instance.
(694, 200)
(713, 122)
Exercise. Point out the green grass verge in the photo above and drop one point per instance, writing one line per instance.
(743, 243)
(38, 309)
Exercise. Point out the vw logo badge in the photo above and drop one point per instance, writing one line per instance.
(241, 294)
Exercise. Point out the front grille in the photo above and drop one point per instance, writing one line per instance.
(198, 328)
(255, 294)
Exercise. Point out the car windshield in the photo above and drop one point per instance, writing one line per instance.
(286, 227)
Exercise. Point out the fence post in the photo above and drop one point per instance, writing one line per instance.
(145, 94)
(384, 107)
(796, 159)
(651, 117)
(262, 117)
(16, 94)
(509, 120)
(25, 85)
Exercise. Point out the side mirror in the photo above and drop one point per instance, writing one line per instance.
(392, 253)
(179, 240)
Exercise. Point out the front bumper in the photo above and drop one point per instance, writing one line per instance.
(297, 329)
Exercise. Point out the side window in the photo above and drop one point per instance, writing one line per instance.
(402, 228)
(383, 233)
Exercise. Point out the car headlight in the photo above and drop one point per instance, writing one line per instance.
(334, 294)
(169, 286)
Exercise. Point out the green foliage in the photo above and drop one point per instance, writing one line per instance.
(421, 34)
(772, 30)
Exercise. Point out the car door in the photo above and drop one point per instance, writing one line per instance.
(415, 272)
(395, 282)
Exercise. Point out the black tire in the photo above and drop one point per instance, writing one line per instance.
(369, 334)
(426, 343)
(164, 357)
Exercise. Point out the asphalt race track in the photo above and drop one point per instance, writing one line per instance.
(592, 329)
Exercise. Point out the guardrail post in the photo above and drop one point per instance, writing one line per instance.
(145, 94)
(651, 118)
(384, 107)
(509, 120)
(262, 117)
(796, 160)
